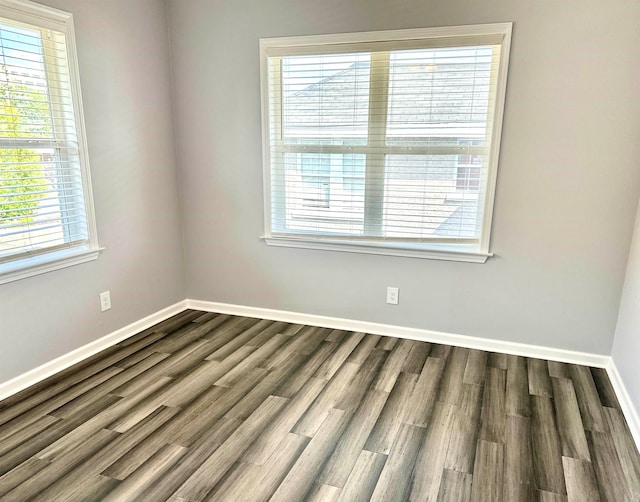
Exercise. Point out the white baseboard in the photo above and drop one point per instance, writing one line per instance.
(46, 370)
(38, 374)
(628, 409)
(424, 335)
(520, 349)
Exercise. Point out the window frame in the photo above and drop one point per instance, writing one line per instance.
(496, 34)
(68, 254)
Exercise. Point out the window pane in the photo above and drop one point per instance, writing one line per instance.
(323, 192)
(24, 99)
(438, 94)
(39, 202)
(422, 199)
(325, 97)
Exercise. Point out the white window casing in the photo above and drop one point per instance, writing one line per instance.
(47, 217)
(384, 142)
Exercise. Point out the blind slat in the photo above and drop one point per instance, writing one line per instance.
(42, 206)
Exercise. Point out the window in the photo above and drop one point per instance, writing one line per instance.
(46, 209)
(384, 142)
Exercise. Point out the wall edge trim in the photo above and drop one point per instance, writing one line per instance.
(48, 369)
(628, 409)
(424, 335)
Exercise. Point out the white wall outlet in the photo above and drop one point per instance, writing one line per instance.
(105, 300)
(392, 295)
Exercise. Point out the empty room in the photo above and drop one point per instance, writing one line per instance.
(338, 250)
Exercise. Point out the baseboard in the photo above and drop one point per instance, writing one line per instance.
(38, 374)
(628, 409)
(424, 335)
(50, 368)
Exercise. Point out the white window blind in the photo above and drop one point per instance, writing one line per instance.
(45, 198)
(384, 141)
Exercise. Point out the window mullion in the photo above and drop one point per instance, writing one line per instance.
(278, 185)
(377, 132)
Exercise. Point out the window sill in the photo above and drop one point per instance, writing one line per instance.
(35, 265)
(432, 252)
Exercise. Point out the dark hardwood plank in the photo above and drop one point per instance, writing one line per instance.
(539, 380)
(416, 358)
(263, 479)
(558, 370)
(476, 367)
(418, 410)
(497, 360)
(62, 465)
(205, 477)
(464, 436)
(393, 365)
(19, 416)
(612, 483)
(88, 398)
(78, 481)
(193, 460)
(323, 493)
(455, 487)
(26, 433)
(265, 446)
(360, 384)
(36, 444)
(339, 466)
(388, 424)
(588, 399)
(569, 422)
(518, 460)
(440, 351)
(306, 341)
(363, 477)
(488, 472)
(137, 445)
(605, 390)
(253, 360)
(335, 361)
(322, 407)
(451, 384)
(394, 482)
(135, 485)
(364, 348)
(625, 448)
(517, 398)
(493, 417)
(300, 477)
(292, 385)
(23, 472)
(580, 480)
(545, 496)
(429, 465)
(545, 443)
(387, 343)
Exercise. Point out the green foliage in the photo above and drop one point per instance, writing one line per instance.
(24, 113)
(21, 184)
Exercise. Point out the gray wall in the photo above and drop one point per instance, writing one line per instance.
(567, 191)
(124, 69)
(626, 345)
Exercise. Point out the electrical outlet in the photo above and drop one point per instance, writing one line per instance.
(105, 300)
(392, 295)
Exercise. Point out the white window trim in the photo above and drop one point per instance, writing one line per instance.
(48, 17)
(41, 264)
(441, 36)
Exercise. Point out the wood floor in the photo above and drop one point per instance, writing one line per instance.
(216, 407)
